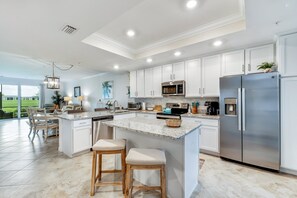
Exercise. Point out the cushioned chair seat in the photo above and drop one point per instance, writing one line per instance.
(108, 144)
(139, 156)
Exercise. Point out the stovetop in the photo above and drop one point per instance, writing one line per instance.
(176, 110)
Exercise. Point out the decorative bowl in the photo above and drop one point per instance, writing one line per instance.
(150, 108)
(175, 123)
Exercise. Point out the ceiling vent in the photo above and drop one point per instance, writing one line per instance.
(69, 29)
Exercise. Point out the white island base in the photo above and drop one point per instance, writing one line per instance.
(182, 163)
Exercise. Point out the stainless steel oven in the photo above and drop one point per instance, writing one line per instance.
(176, 88)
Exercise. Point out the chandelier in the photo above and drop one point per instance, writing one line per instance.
(53, 82)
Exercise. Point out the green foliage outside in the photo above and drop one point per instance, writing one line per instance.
(12, 106)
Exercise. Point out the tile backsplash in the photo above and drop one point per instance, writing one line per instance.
(151, 102)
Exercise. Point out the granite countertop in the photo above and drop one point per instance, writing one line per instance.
(89, 115)
(154, 127)
(203, 116)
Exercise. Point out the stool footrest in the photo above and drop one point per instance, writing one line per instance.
(147, 167)
(118, 183)
(111, 171)
(147, 187)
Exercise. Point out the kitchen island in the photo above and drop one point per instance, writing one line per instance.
(181, 148)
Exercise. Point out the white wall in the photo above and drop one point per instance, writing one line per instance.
(91, 88)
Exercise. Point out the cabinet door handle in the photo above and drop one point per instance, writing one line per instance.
(203, 90)
(243, 68)
(170, 76)
(249, 65)
(153, 92)
(199, 90)
(174, 76)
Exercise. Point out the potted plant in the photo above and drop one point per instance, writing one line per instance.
(57, 99)
(267, 67)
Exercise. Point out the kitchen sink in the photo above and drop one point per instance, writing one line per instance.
(121, 111)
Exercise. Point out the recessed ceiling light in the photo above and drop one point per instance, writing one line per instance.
(130, 33)
(191, 4)
(177, 53)
(217, 43)
(116, 66)
(149, 60)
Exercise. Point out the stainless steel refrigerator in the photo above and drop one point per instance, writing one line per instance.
(249, 119)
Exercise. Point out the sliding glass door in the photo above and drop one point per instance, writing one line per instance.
(29, 98)
(15, 99)
(9, 101)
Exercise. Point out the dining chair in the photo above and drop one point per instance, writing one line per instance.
(41, 122)
(30, 121)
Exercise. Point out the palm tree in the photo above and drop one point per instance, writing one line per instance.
(107, 87)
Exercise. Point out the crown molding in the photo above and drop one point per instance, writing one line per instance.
(107, 44)
(227, 25)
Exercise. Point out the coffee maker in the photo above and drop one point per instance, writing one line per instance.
(212, 107)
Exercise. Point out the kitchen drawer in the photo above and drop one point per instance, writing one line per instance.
(146, 115)
(82, 123)
(204, 122)
(209, 122)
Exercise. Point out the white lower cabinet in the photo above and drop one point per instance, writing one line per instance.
(208, 135)
(288, 123)
(82, 138)
(209, 138)
(75, 136)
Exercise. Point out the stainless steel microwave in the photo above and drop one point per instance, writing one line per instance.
(175, 88)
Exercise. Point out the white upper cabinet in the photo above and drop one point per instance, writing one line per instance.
(153, 80)
(173, 72)
(233, 63)
(257, 55)
(287, 53)
(193, 78)
(137, 84)
(211, 72)
(140, 83)
(148, 82)
(157, 80)
(167, 73)
(178, 71)
(133, 83)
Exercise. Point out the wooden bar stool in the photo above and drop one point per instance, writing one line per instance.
(107, 146)
(145, 159)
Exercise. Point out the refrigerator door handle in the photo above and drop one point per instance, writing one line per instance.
(239, 109)
(243, 109)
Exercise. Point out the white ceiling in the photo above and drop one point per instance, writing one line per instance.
(30, 32)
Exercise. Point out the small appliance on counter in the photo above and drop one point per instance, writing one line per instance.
(212, 107)
(174, 111)
(158, 108)
(143, 106)
(134, 106)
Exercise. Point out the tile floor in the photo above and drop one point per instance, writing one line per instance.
(39, 170)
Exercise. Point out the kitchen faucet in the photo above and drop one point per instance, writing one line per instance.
(114, 107)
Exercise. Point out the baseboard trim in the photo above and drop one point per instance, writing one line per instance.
(209, 152)
(289, 171)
